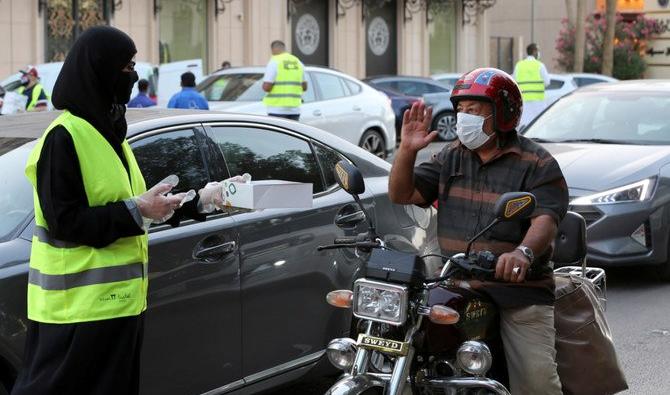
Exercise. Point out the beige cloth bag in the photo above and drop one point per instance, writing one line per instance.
(585, 354)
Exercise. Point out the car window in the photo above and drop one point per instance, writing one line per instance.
(174, 152)
(555, 84)
(16, 193)
(233, 87)
(625, 117)
(583, 81)
(417, 88)
(309, 95)
(267, 155)
(327, 159)
(354, 88)
(330, 86)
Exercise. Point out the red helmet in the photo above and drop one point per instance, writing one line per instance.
(494, 86)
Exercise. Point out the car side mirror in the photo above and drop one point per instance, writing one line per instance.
(514, 206)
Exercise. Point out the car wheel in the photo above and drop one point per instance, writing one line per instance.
(373, 142)
(445, 124)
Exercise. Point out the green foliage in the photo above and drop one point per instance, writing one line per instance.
(630, 40)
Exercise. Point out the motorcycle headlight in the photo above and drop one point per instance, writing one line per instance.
(342, 353)
(380, 302)
(474, 357)
(636, 192)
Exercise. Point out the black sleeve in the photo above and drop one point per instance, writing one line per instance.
(60, 188)
(188, 210)
(550, 189)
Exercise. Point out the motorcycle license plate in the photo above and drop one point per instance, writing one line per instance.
(383, 345)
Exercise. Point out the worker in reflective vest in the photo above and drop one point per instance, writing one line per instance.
(284, 82)
(30, 87)
(87, 282)
(532, 77)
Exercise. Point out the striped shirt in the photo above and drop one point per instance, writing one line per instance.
(466, 190)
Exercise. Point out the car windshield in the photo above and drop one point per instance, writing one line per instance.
(606, 117)
(233, 87)
(16, 194)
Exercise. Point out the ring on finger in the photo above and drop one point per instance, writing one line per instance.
(516, 270)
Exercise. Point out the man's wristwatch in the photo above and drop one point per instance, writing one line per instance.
(527, 252)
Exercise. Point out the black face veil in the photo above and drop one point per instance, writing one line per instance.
(90, 81)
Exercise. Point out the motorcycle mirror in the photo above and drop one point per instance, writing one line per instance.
(514, 206)
(349, 178)
(510, 206)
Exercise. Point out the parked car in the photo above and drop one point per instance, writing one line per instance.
(584, 79)
(399, 103)
(559, 86)
(449, 79)
(334, 102)
(612, 142)
(434, 94)
(240, 320)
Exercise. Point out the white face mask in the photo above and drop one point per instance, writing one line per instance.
(469, 129)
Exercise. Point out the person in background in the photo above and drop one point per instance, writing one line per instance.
(225, 65)
(532, 77)
(188, 97)
(284, 82)
(142, 99)
(37, 98)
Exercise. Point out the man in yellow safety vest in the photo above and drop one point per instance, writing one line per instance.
(532, 77)
(37, 97)
(284, 82)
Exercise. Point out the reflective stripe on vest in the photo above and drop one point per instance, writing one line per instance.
(529, 79)
(287, 88)
(69, 282)
(34, 98)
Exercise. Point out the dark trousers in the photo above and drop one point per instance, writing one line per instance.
(295, 117)
(100, 357)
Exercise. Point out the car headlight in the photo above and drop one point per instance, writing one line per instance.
(380, 302)
(342, 353)
(474, 357)
(635, 192)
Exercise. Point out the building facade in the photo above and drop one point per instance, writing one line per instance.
(358, 37)
(658, 50)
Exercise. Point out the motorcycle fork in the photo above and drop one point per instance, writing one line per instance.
(362, 355)
(403, 364)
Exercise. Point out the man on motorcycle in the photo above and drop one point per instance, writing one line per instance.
(466, 177)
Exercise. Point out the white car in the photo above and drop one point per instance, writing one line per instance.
(560, 85)
(583, 79)
(334, 102)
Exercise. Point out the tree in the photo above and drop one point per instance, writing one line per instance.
(570, 11)
(608, 41)
(580, 36)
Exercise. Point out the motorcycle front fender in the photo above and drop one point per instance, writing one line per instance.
(355, 385)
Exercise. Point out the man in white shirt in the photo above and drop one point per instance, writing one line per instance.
(284, 82)
(532, 77)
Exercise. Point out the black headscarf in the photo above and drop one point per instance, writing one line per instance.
(92, 85)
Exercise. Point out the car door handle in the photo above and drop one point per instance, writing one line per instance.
(350, 220)
(356, 108)
(317, 113)
(216, 251)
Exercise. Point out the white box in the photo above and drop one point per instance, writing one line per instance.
(267, 194)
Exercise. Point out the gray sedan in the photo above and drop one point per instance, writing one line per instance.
(251, 314)
(612, 142)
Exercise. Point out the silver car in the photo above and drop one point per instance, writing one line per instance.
(612, 142)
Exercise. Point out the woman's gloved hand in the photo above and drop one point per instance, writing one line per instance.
(211, 195)
(154, 205)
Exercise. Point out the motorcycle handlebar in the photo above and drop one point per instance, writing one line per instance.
(360, 244)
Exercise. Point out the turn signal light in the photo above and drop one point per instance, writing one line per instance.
(443, 315)
(341, 298)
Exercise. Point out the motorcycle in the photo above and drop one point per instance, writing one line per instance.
(425, 335)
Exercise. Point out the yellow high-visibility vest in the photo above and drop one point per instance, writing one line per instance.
(287, 88)
(35, 96)
(68, 282)
(529, 79)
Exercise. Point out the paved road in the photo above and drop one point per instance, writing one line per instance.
(638, 312)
